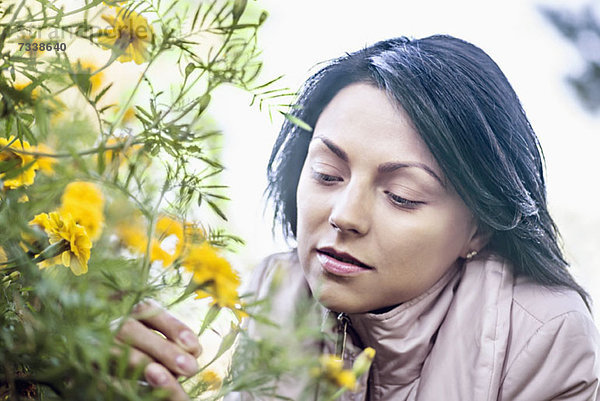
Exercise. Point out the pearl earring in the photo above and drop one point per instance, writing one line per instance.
(470, 255)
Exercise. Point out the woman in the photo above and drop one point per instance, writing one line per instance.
(418, 204)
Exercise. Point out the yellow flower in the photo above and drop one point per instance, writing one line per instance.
(167, 227)
(211, 379)
(362, 363)
(331, 363)
(3, 257)
(126, 150)
(346, 379)
(82, 191)
(133, 237)
(45, 163)
(332, 369)
(10, 154)
(193, 232)
(22, 85)
(89, 68)
(129, 115)
(33, 44)
(214, 273)
(157, 253)
(84, 201)
(130, 36)
(62, 227)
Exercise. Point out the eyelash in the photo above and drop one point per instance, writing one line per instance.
(327, 179)
(400, 201)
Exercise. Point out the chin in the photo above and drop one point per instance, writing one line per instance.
(339, 305)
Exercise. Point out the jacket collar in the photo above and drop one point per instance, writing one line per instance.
(462, 323)
(403, 337)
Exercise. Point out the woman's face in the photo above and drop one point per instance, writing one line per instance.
(370, 193)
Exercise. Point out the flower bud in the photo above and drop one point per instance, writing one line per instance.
(363, 361)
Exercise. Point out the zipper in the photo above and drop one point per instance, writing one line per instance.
(340, 344)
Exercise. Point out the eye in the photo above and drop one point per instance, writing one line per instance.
(403, 202)
(325, 178)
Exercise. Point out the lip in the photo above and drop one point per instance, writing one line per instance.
(327, 258)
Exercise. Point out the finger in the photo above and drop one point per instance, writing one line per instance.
(153, 315)
(136, 359)
(161, 349)
(159, 377)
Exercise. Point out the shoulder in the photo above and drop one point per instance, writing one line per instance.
(552, 313)
(279, 287)
(532, 305)
(543, 303)
(274, 271)
(554, 345)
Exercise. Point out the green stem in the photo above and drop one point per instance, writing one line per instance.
(337, 394)
(82, 153)
(53, 250)
(94, 3)
(147, 261)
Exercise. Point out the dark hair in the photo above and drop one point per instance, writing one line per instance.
(470, 118)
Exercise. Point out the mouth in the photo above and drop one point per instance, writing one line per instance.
(343, 257)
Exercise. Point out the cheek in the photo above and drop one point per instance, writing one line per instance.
(432, 238)
(308, 213)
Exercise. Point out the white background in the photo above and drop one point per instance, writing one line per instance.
(533, 55)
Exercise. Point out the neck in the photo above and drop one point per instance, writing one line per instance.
(403, 335)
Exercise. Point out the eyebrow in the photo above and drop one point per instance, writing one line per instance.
(384, 167)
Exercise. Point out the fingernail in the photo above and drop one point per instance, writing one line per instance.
(188, 339)
(155, 375)
(187, 364)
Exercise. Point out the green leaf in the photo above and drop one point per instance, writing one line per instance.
(227, 343)
(217, 196)
(295, 120)
(203, 103)
(211, 162)
(102, 92)
(42, 119)
(59, 16)
(101, 159)
(195, 19)
(144, 112)
(189, 69)
(102, 110)
(81, 78)
(210, 7)
(28, 118)
(8, 126)
(238, 9)
(263, 17)
(216, 209)
(211, 315)
(49, 4)
(23, 131)
(8, 165)
(268, 83)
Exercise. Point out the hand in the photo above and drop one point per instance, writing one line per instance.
(163, 359)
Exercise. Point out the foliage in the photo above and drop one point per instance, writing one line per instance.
(582, 29)
(105, 167)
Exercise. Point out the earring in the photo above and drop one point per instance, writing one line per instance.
(470, 255)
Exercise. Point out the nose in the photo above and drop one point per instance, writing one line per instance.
(351, 211)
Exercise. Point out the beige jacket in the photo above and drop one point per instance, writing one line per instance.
(478, 334)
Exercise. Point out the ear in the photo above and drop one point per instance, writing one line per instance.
(480, 236)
